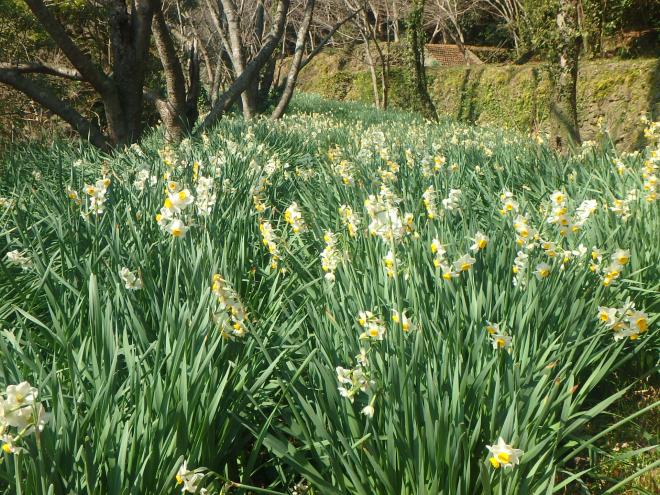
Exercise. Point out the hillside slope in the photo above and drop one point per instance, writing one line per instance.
(616, 91)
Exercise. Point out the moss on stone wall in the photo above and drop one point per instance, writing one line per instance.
(617, 91)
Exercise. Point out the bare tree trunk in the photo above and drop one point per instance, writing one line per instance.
(564, 126)
(372, 70)
(173, 111)
(421, 100)
(252, 69)
(296, 61)
(237, 53)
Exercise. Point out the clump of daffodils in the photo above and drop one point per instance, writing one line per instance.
(385, 219)
(131, 280)
(374, 328)
(509, 204)
(176, 201)
(519, 269)
(96, 194)
(18, 258)
(559, 214)
(230, 313)
(402, 319)
(353, 381)
(503, 454)
(350, 220)
(21, 414)
(329, 256)
(72, 194)
(190, 480)
(619, 259)
(206, 198)
(498, 337)
(621, 207)
(293, 217)
(525, 234)
(452, 202)
(625, 322)
(345, 170)
(390, 261)
(269, 239)
(144, 177)
(429, 200)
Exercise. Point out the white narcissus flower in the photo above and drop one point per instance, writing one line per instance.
(293, 217)
(621, 257)
(19, 406)
(503, 454)
(19, 258)
(480, 241)
(131, 280)
(177, 228)
(607, 315)
(179, 201)
(500, 340)
(542, 271)
(492, 328)
(190, 480)
(464, 263)
(368, 411)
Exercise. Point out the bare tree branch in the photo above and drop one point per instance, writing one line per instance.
(44, 68)
(295, 61)
(59, 107)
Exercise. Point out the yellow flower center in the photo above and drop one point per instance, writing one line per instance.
(446, 275)
(500, 342)
(182, 195)
(544, 272)
(503, 457)
(179, 480)
(482, 243)
(176, 232)
(465, 267)
(168, 203)
(642, 324)
(6, 448)
(494, 462)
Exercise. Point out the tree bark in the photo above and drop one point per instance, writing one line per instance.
(176, 124)
(564, 126)
(42, 68)
(421, 100)
(237, 53)
(294, 70)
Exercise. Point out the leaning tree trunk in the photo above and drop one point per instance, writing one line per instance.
(296, 61)
(564, 126)
(420, 98)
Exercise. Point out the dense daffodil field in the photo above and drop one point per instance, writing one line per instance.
(341, 302)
